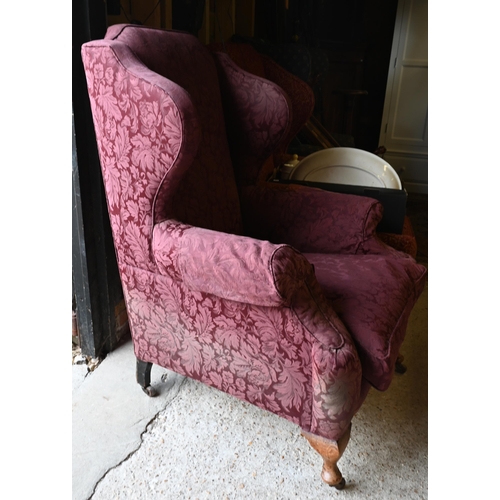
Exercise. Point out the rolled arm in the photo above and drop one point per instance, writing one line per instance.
(310, 219)
(231, 267)
(260, 273)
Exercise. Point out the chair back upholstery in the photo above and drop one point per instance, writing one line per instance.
(168, 117)
(299, 107)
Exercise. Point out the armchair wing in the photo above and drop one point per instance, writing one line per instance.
(260, 116)
(148, 135)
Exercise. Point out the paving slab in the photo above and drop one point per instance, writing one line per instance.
(110, 415)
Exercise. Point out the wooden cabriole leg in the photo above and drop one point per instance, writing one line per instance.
(143, 376)
(331, 451)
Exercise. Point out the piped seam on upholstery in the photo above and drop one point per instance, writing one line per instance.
(273, 274)
(324, 316)
(365, 221)
(387, 353)
(141, 78)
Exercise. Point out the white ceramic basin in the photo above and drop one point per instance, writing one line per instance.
(347, 166)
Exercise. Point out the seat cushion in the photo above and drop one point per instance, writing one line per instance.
(373, 295)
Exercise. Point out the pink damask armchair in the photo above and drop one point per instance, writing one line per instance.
(283, 298)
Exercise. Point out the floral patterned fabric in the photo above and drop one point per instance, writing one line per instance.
(206, 195)
(229, 266)
(259, 113)
(404, 242)
(300, 95)
(373, 296)
(146, 127)
(301, 103)
(310, 219)
(299, 363)
(245, 315)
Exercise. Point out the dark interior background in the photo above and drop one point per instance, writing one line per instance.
(357, 36)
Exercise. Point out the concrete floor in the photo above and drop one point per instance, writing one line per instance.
(195, 442)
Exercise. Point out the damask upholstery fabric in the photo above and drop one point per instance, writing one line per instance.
(299, 96)
(232, 267)
(147, 133)
(207, 195)
(299, 363)
(259, 112)
(310, 219)
(301, 102)
(405, 242)
(373, 296)
(242, 311)
(243, 55)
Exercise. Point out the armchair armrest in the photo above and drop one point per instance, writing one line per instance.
(229, 266)
(310, 219)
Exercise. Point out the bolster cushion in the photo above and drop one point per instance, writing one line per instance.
(232, 267)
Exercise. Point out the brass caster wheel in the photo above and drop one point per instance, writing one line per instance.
(150, 391)
(339, 486)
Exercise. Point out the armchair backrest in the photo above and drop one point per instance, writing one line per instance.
(161, 136)
(207, 195)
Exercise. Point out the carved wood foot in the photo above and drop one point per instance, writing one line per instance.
(331, 451)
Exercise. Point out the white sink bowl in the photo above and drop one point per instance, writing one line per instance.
(347, 166)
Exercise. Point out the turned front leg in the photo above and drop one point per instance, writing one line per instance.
(331, 451)
(143, 376)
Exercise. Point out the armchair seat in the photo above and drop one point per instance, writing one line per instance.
(373, 295)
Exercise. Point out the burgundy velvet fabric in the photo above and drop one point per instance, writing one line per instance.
(244, 313)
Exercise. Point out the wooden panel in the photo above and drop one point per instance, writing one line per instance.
(412, 169)
(245, 17)
(416, 43)
(219, 21)
(148, 12)
(409, 122)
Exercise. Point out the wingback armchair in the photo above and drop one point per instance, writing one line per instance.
(282, 298)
